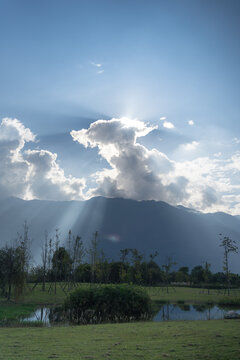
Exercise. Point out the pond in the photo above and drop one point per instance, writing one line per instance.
(51, 316)
(192, 312)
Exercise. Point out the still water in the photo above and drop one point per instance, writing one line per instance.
(191, 312)
(50, 316)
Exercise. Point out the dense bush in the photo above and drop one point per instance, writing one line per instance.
(110, 303)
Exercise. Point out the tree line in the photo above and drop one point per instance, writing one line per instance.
(70, 263)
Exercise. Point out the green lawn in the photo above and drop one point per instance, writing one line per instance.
(217, 339)
(191, 295)
(188, 295)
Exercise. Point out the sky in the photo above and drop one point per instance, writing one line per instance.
(129, 98)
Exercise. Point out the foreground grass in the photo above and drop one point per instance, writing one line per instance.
(218, 339)
(181, 294)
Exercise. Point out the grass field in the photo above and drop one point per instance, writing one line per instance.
(188, 295)
(219, 339)
(215, 339)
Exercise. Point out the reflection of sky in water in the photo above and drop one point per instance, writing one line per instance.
(41, 314)
(167, 312)
(190, 312)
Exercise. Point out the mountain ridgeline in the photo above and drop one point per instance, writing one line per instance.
(189, 237)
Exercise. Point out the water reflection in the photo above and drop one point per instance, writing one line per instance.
(190, 312)
(47, 315)
(51, 316)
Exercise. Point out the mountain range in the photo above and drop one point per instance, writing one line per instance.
(189, 237)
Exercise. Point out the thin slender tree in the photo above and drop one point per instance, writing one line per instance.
(167, 268)
(44, 256)
(93, 252)
(229, 246)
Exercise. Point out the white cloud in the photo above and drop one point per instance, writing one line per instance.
(100, 72)
(211, 179)
(168, 125)
(138, 173)
(190, 146)
(32, 173)
(133, 171)
(163, 118)
(191, 122)
(47, 180)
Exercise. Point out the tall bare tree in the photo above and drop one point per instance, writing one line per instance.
(23, 258)
(229, 246)
(44, 255)
(93, 252)
(167, 268)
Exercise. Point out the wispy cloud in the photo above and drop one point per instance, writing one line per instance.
(162, 118)
(96, 64)
(236, 140)
(168, 125)
(100, 72)
(191, 122)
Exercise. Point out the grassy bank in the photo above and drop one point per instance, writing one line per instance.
(193, 295)
(149, 341)
(174, 295)
(10, 312)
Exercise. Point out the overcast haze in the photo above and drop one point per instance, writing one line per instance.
(133, 99)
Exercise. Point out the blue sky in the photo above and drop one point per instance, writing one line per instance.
(66, 64)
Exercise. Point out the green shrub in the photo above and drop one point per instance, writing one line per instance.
(113, 303)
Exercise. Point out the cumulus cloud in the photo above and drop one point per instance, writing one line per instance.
(32, 173)
(213, 183)
(191, 122)
(168, 125)
(135, 172)
(139, 173)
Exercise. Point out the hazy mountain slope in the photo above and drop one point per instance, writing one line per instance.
(189, 237)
